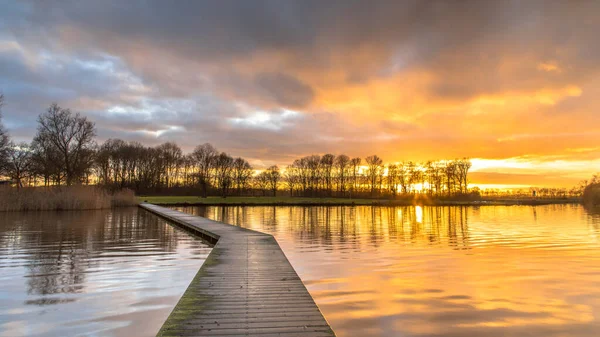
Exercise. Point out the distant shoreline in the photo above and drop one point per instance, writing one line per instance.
(183, 201)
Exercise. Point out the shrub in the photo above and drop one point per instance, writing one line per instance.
(591, 195)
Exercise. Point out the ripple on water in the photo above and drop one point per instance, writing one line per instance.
(440, 271)
(109, 273)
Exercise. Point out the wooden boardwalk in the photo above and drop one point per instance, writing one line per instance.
(246, 287)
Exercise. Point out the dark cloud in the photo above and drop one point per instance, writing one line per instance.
(285, 90)
(357, 75)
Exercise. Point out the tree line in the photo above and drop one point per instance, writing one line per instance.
(342, 176)
(64, 152)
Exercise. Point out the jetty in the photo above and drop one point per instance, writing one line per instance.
(246, 286)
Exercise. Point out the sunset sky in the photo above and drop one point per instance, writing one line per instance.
(514, 85)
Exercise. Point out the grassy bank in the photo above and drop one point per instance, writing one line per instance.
(299, 201)
(191, 200)
(62, 198)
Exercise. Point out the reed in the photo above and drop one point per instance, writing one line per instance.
(62, 198)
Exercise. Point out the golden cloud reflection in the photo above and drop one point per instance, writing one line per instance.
(443, 271)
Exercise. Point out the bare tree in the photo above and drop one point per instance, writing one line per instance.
(342, 163)
(326, 168)
(374, 171)
(392, 178)
(414, 175)
(261, 182)
(312, 166)
(223, 164)
(18, 163)
(273, 176)
(242, 172)
(462, 171)
(291, 176)
(204, 155)
(450, 172)
(149, 166)
(45, 161)
(187, 167)
(304, 175)
(355, 164)
(72, 135)
(172, 156)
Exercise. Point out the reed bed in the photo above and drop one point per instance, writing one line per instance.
(58, 198)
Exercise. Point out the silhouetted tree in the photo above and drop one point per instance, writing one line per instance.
(18, 163)
(223, 164)
(261, 182)
(312, 165)
(355, 165)
(414, 175)
(462, 171)
(187, 169)
(204, 155)
(374, 171)
(591, 192)
(242, 172)
(291, 176)
(273, 177)
(392, 178)
(71, 136)
(326, 172)
(46, 162)
(450, 172)
(342, 164)
(171, 156)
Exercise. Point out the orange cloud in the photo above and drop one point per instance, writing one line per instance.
(549, 67)
(408, 82)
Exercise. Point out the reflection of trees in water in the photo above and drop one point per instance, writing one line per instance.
(593, 212)
(593, 217)
(59, 248)
(54, 249)
(351, 225)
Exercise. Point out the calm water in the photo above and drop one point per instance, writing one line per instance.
(92, 273)
(441, 271)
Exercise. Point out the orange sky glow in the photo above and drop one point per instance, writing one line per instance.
(511, 85)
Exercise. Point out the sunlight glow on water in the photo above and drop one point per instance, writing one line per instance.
(441, 271)
(94, 273)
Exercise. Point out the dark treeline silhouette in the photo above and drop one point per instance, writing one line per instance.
(340, 176)
(206, 171)
(165, 167)
(64, 152)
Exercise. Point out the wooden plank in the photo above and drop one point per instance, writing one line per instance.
(246, 287)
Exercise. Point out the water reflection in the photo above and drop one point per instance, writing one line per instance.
(112, 272)
(354, 226)
(441, 271)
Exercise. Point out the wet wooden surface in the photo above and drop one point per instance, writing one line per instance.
(246, 287)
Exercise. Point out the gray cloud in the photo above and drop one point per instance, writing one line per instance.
(285, 90)
(154, 71)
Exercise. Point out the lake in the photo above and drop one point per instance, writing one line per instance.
(441, 271)
(95, 273)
